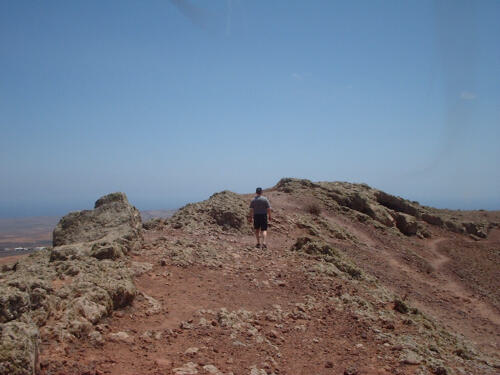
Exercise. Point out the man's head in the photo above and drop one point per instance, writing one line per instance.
(258, 190)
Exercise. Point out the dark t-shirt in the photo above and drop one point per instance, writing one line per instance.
(260, 204)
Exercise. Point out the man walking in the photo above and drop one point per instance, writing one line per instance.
(260, 211)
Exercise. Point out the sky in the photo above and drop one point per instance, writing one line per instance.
(171, 101)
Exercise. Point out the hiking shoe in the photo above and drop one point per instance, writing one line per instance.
(257, 246)
(264, 246)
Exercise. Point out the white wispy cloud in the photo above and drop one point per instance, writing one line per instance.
(467, 95)
(297, 76)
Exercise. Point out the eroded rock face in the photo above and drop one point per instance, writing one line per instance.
(77, 283)
(406, 224)
(113, 220)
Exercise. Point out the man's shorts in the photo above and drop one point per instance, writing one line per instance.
(260, 221)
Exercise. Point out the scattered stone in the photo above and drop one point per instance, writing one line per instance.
(187, 369)
(351, 371)
(255, 371)
(155, 305)
(121, 337)
(192, 351)
(139, 268)
(96, 338)
(329, 364)
(409, 357)
(186, 325)
(440, 370)
(211, 369)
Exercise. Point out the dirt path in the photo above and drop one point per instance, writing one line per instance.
(459, 291)
(440, 260)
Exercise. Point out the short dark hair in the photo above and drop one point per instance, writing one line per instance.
(258, 190)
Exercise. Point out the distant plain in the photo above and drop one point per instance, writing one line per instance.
(30, 232)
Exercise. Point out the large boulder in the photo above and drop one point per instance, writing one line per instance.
(113, 220)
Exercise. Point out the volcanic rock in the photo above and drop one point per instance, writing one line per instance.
(19, 352)
(78, 282)
(113, 220)
(406, 224)
(226, 209)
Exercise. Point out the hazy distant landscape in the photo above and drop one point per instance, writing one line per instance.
(367, 130)
(31, 232)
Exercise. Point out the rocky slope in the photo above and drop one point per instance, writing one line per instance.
(355, 281)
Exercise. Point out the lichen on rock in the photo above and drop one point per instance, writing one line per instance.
(327, 253)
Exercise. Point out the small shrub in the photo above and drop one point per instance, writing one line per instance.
(464, 354)
(314, 209)
(401, 307)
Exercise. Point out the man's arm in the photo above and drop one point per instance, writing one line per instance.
(250, 215)
(269, 214)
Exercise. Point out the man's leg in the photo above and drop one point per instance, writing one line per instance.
(264, 236)
(257, 235)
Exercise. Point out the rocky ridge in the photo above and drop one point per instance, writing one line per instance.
(328, 297)
(366, 204)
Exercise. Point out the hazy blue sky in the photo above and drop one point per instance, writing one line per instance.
(170, 101)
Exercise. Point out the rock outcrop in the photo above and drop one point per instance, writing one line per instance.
(386, 209)
(337, 262)
(113, 227)
(226, 209)
(406, 224)
(77, 283)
